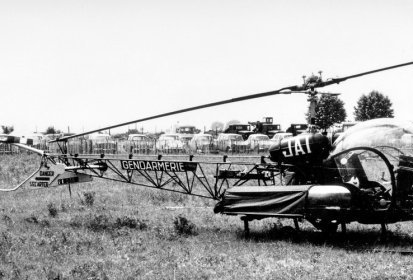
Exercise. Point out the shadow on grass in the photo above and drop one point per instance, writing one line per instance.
(357, 240)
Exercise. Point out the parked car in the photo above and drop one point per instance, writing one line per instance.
(280, 136)
(103, 143)
(258, 142)
(100, 137)
(229, 142)
(137, 137)
(169, 143)
(187, 129)
(139, 143)
(185, 138)
(201, 142)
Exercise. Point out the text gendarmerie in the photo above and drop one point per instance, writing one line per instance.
(168, 166)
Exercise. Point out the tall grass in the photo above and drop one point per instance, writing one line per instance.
(109, 230)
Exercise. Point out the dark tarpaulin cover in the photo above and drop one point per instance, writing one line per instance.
(264, 200)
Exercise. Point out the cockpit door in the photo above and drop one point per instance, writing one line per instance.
(370, 171)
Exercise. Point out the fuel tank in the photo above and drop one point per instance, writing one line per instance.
(329, 197)
(307, 148)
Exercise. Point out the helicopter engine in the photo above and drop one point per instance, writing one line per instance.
(307, 149)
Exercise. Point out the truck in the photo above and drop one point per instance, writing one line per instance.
(242, 129)
(266, 126)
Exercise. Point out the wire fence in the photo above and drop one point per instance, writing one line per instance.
(150, 147)
(154, 147)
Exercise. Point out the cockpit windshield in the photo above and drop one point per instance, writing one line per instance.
(392, 135)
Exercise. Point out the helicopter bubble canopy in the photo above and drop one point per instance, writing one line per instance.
(377, 133)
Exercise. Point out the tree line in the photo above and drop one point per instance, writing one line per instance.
(330, 109)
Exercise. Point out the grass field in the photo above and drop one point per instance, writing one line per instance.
(112, 230)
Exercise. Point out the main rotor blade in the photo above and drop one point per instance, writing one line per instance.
(287, 90)
(339, 80)
(238, 99)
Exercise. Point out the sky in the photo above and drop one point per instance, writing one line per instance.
(83, 65)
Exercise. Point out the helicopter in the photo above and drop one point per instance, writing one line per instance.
(365, 176)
